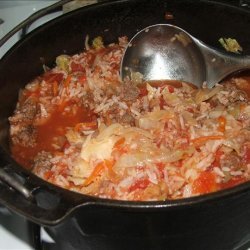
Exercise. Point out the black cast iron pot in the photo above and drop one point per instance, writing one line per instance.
(216, 221)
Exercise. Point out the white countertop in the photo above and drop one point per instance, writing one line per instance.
(13, 228)
(13, 12)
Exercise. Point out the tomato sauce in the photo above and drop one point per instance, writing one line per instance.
(51, 134)
(243, 85)
(233, 182)
(55, 127)
(206, 183)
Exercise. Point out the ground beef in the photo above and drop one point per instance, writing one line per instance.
(231, 161)
(127, 119)
(129, 92)
(22, 130)
(24, 135)
(42, 162)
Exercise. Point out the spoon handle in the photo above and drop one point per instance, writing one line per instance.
(219, 64)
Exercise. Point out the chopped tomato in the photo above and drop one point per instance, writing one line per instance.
(216, 162)
(139, 184)
(143, 90)
(65, 145)
(190, 110)
(48, 174)
(205, 183)
(162, 103)
(161, 167)
(28, 93)
(51, 77)
(75, 67)
(82, 78)
(91, 57)
(170, 89)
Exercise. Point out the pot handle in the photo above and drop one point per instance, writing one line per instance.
(47, 10)
(15, 183)
(38, 204)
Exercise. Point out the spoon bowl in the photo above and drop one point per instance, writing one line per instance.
(167, 52)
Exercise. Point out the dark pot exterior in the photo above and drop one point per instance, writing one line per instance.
(222, 225)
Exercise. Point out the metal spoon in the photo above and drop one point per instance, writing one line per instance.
(164, 51)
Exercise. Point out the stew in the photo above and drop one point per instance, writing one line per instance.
(80, 127)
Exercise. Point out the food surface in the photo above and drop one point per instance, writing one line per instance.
(78, 126)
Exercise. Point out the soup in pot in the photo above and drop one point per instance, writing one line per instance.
(80, 127)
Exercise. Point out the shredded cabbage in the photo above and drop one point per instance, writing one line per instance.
(62, 62)
(231, 45)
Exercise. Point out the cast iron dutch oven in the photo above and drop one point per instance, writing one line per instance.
(216, 221)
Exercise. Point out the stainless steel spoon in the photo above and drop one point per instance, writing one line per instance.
(164, 51)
